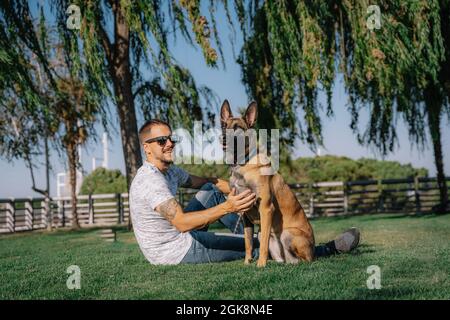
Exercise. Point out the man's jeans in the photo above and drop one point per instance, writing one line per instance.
(214, 247)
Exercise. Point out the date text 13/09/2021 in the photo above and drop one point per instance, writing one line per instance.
(226, 309)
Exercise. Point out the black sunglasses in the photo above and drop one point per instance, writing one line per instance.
(163, 140)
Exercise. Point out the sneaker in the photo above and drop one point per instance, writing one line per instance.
(347, 241)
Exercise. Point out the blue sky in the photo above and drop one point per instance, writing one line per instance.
(339, 140)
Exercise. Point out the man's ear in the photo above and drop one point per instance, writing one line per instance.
(225, 111)
(251, 114)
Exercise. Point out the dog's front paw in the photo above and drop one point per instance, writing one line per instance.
(261, 263)
(248, 261)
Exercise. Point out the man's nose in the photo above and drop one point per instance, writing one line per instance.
(169, 143)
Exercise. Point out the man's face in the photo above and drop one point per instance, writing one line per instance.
(155, 149)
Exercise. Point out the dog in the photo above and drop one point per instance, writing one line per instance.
(285, 230)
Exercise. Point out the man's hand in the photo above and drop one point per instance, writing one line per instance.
(222, 185)
(241, 202)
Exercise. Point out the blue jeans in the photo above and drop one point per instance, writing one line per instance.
(214, 247)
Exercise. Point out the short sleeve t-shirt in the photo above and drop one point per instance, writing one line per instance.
(158, 239)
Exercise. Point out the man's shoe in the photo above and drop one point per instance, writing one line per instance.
(347, 241)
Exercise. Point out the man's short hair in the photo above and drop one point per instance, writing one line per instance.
(146, 127)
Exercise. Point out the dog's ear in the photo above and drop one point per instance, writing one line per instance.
(251, 114)
(225, 111)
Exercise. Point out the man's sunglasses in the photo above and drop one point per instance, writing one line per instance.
(163, 140)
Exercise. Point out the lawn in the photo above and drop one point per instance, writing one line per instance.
(413, 254)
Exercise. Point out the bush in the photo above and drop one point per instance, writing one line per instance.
(102, 180)
(324, 168)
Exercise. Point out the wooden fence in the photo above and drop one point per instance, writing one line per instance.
(318, 199)
(93, 210)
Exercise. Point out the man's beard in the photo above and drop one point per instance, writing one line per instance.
(166, 161)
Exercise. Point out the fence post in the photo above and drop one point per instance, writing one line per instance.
(48, 213)
(119, 207)
(63, 213)
(42, 214)
(345, 198)
(380, 206)
(417, 194)
(29, 213)
(11, 215)
(311, 202)
(91, 209)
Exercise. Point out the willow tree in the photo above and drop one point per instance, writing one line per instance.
(294, 49)
(122, 47)
(24, 117)
(42, 102)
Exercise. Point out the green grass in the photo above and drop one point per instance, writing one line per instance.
(412, 252)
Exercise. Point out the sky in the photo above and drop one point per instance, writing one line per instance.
(15, 180)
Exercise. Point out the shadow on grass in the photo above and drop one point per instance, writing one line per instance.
(395, 216)
(83, 231)
(384, 293)
(362, 249)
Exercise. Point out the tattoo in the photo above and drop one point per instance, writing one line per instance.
(168, 209)
(188, 183)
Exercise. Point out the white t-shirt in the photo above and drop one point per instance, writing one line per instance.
(159, 240)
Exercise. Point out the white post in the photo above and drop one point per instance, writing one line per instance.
(311, 204)
(105, 151)
(43, 215)
(10, 215)
(345, 198)
(29, 214)
(48, 214)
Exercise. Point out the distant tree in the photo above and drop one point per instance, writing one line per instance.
(77, 117)
(102, 180)
(324, 168)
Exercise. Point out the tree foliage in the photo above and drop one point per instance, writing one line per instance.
(102, 181)
(293, 50)
(325, 168)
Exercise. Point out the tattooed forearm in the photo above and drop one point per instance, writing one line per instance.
(168, 209)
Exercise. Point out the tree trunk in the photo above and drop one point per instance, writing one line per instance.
(434, 107)
(72, 154)
(122, 81)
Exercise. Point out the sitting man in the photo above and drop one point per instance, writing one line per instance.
(169, 234)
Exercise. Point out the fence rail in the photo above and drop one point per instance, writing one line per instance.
(318, 199)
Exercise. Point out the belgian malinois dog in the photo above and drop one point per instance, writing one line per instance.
(285, 229)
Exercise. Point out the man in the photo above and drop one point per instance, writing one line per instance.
(169, 234)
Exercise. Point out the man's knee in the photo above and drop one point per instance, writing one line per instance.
(209, 186)
(209, 195)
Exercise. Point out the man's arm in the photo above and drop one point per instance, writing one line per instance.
(187, 221)
(196, 182)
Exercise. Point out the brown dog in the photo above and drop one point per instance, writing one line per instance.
(285, 229)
